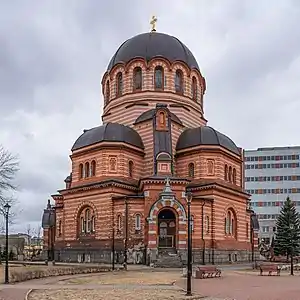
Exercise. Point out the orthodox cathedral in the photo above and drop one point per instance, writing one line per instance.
(126, 195)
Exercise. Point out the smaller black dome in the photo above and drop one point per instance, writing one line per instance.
(109, 132)
(205, 135)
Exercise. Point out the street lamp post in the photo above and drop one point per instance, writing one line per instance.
(113, 247)
(189, 254)
(292, 249)
(126, 235)
(6, 211)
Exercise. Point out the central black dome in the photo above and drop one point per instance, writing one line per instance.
(153, 44)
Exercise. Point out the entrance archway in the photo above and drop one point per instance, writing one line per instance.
(167, 229)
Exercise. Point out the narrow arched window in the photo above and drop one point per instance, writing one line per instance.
(179, 82)
(87, 169)
(82, 225)
(93, 168)
(138, 222)
(137, 79)
(228, 223)
(107, 92)
(93, 225)
(194, 89)
(191, 170)
(230, 174)
(130, 168)
(119, 84)
(225, 225)
(162, 119)
(226, 173)
(88, 220)
(159, 78)
(81, 171)
(234, 175)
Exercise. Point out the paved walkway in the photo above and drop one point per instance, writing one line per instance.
(233, 285)
(239, 286)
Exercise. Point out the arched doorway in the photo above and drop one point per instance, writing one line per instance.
(167, 229)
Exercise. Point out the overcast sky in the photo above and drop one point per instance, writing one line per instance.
(54, 53)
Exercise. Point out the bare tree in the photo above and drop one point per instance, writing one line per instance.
(29, 233)
(38, 235)
(9, 166)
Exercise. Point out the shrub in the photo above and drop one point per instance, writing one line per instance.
(36, 273)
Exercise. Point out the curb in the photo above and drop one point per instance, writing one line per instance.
(28, 293)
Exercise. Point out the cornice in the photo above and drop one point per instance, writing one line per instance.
(98, 185)
(104, 146)
(217, 185)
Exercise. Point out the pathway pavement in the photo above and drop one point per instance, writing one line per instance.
(238, 286)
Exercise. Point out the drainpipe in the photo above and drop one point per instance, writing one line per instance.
(202, 232)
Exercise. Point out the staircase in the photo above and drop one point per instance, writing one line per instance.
(168, 258)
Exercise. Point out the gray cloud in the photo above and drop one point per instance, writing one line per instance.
(54, 53)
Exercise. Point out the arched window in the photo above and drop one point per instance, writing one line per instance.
(138, 222)
(93, 224)
(87, 169)
(159, 78)
(230, 174)
(137, 79)
(247, 230)
(81, 171)
(130, 168)
(231, 223)
(93, 168)
(226, 173)
(191, 170)
(87, 221)
(194, 89)
(234, 175)
(210, 167)
(119, 84)
(113, 164)
(179, 82)
(107, 92)
(162, 118)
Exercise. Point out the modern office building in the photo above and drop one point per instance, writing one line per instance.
(271, 175)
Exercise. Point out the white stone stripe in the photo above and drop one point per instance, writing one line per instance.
(152, 232)
(152, 243)
(182, 222)
(182, 242)
(182, 232)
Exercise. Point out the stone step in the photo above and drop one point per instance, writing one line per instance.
(169, 261)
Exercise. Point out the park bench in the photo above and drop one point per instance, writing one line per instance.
(270, 269)
(207, 272)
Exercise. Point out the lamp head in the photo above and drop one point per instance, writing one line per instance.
(189, 196)
(7, 208)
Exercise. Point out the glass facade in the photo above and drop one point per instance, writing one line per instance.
(271, 175)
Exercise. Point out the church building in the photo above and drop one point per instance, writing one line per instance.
(127, 190)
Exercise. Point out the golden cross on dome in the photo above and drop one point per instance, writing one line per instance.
(153, 23)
